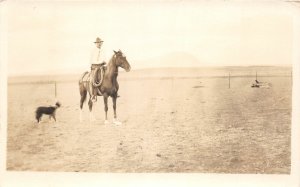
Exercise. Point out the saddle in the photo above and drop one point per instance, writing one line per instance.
(95, 66)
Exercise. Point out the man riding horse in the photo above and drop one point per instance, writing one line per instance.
(104, 83)
(96, 61)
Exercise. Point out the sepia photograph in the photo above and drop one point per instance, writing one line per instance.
(125, 90)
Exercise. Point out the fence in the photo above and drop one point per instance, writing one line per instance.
(229, 77)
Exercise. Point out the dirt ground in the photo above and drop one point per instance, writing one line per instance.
(169, 125)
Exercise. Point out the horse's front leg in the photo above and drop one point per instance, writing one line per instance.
(115, 121)
(105, 97)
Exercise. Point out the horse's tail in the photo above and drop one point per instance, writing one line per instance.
(83, 92)
(82, 89)
(82, 76)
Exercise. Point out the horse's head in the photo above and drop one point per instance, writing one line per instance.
(121, 60)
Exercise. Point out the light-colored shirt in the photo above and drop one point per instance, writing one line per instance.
(97, 55)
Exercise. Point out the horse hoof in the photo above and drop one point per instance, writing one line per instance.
(106, 122)
(116, 122)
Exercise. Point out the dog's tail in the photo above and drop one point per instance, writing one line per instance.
(37, 115)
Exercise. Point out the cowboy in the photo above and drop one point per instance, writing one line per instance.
(97, 59)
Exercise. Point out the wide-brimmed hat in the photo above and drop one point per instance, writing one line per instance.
(98, 40)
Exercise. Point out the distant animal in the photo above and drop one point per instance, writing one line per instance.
(106, 83)
(50, 110)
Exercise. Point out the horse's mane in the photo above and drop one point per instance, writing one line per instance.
(112, 60)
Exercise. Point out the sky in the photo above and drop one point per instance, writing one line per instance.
(47, 36)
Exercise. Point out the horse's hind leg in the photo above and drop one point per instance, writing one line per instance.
(81, 105)
(92, 118)
(83, 93)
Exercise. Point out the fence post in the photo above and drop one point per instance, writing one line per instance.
(55, 89)
(292, 77)
(229, 80)
(256, 75)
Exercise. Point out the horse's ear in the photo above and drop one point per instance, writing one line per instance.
(115, 52)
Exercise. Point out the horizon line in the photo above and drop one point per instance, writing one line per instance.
(76, 71)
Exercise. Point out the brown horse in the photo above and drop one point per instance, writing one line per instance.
(106, 82)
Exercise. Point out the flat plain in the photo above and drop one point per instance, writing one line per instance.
(174, 120)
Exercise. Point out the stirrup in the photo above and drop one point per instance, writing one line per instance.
(94, 99)
(99, 92)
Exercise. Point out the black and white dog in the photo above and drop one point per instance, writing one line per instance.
(46, 110)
